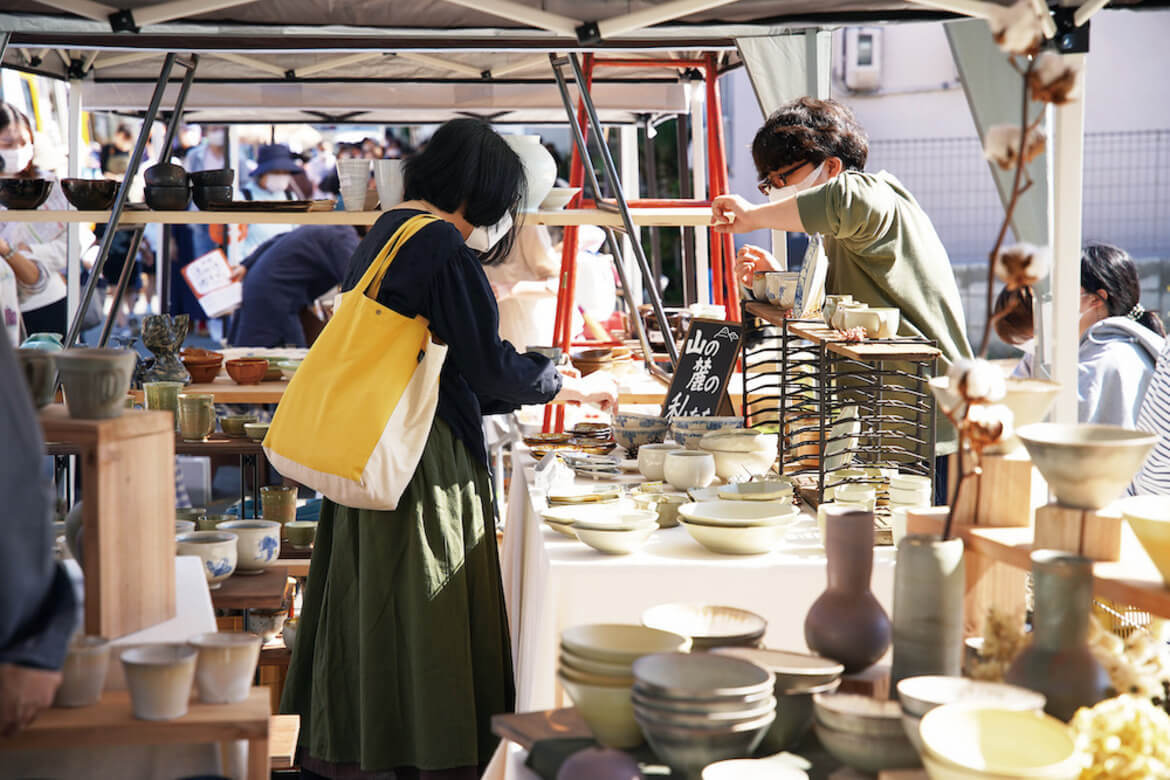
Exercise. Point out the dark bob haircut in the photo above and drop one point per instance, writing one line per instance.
(1110, 269)
(809, 130)
(1014, 310)
(467, 165)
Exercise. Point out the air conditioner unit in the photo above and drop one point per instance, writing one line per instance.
(863, 58)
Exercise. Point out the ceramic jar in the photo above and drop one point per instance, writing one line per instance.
(196, 415)
(279, 503)
(217, 550)
(40, 374)
(163, 335)
(225, 666)
(84, 673)
(1058, 663)
(846, 623)
(159, 678)
(540, 169)
(96, 381)
(259, 543)
(688, 469)
(929, 583)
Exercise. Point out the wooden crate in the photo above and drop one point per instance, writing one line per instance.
(128, 492)
(1093, 533)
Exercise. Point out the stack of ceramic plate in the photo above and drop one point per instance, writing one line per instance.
(738, 527)
(702, 708)
(576, 495)
(689, 430)
(616, 533)
(594, 466)
(863, 733)
(596, 671)
(708, 625)
(561, 518)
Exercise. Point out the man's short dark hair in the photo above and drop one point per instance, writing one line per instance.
(809, 130)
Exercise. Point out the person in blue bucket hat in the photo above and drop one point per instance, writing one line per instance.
(272, 177)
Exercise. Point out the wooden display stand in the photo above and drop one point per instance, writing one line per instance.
(128, 537)
(1006, 495)
(1093, 533)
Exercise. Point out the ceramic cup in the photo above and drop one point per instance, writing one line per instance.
(838, 321)
(225, 667)
(879, 323)
(388, 180)
(301, 533)
(354, 180)
(279, 503)
(40, 374)
(781, 288)
(651, 458)
(96, 381)
(159, 678)
(268, 623)
(831, 304)
(184, 527)
(289, 632)
(84, 674)
(162, 396)
(259, 543)
(688, 469)
(216, 549)
(196, 416)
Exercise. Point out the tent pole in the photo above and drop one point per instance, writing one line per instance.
(123, 283)
(650, 167)
(5, 37)
(720, 186)
(699, 176)
(682, 138)
(627, 219)
(120, 201)
(180, 102)
(73, 229)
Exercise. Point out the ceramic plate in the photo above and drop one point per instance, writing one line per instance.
(842, 439)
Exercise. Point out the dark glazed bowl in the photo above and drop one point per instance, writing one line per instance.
(218, 177)
(168, 198)
(205, 196)
(166, 175)
(24, 193)
(90, 194)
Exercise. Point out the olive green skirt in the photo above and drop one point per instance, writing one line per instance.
(402, 653)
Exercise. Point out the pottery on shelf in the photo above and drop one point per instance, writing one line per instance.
(830, 306)
(1058, 662)
(301, 533)
(225, 667)
(84, 674)
(163, 335)
(96, 381)
(540, 169)
(389, 183)
(233, 425)
(16, 193)
(163, 397)
(686, 469)
(279, 503)
(40, 374)
(196, 416)
(247, 371)
(1086, 466)
(49, 342)
(217, 551)
(929, 584)
(651, 458)
(159, 678)
(258, 546)
(90, 194)
(211, 522)
(267, 623)
(846, 623)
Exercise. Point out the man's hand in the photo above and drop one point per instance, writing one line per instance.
(752, 259)
(732, 214)
(239, 272)
(24, 692)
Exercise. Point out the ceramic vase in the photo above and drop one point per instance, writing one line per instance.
(96, 381)
(846, 623)
(929, 582)
(540, 169)
(163, 335)
(1058, 663)
(40, 374)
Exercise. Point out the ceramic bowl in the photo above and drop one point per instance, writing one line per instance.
(615, 542)
(708, 625)
(920, 695)
(301, 533)
(209, 196)
(83, 676)
(739, 440)
(274, 372)
(226, 665)
(247, 371)
(633, 431)
(739, 514)
(561, 518)
(166, 175)
(860, 495)
(90, 194)
(686, 469)
(203, 369)
(689, 750)
(651, 458)
(770, 768)
(96, 380)
(759, 286)
(168, 198)
(256, 431)
(913, 498)
(620, 643)
(258, 545)
(40, 374)
(756, 490)
(1030, 400)
(211, 522)
(863, 733)
(780, 288)
(646, 710)
(214, 177)
(233, 425)
(24, 193)
(664, 505)
(727, 540)
(580, 665)
(266, 623)
(703, 706)
(699, 676)
(731, 466)
(607, 710)
(216, 549)
(1149, 517)
(288, 633)
(620, 516)
(1086, 466)
(622, 680)
(970, 743)
(689, 430)
(558, 198)
(159, 678)
(184, 527)
(191, 513)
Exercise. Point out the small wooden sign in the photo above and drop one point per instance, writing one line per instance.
(704, 368)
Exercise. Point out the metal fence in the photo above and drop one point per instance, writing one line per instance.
(1126, 202)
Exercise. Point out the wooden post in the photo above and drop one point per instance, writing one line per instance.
(1094, 533)
(1007, 494)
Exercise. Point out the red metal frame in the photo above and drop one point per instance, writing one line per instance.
(724, 289)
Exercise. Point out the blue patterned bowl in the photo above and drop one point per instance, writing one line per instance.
(216, 550)
(259, 543)
(687, 431)
(637, 430)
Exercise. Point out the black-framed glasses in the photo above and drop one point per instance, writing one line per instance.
(765, 184)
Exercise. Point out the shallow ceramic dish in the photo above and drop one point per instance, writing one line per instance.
(561, 518)
(592, 446)
(739, 440)
(607, 711)
(699, 676)
(739, 514)
(576, 495)
(247, 371)
(615, 542)
(1086, 466)
(920, 695)
(708, 625)
(623, 519)
(965, 743)
(256, 431)
(842, 441)
(620, 643)
(727, 540)
(159, 677)
(651, 458)
(225, 667)
(757, 490)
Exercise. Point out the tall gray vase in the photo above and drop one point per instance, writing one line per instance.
(929, 581)
(1058, 662)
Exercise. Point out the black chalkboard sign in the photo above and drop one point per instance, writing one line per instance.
(704, 367)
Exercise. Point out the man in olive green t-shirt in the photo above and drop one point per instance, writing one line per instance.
(882, 248)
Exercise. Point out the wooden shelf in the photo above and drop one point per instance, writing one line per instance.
(283, 731)
(218, 444)
(769, 313)
(693, 216)
(228, 392)
(528, 728)
(252, 591)
(867, 351)
(295, 567)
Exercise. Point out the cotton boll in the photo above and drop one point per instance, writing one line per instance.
(986, 424)
(1022, 265)
(1055, 78)
(1017, 28)
(1002, 145)
(977, 381)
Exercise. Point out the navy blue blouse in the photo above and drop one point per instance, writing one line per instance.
(437, 276)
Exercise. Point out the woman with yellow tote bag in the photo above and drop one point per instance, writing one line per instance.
(402, 654)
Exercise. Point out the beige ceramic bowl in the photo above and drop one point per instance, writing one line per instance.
(1086, 466)
(217, 551)
(580, 665)
(226, 665)
(727, 540)
(620, 643)
(740, 514)
(256, 431)
(757, 490)
(708, 625)
(258, 544)
(1149, 517)
(159, 678)
(920, 695)
(664, 504)
(686, 469)
(977, 743)
(607, 710)
(618, 541)
(651, 458)
(561, 518)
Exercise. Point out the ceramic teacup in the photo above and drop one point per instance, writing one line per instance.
(781, 288)
(651, 457)
(688, 469)
(96, 381)
(759, 286)
(196, 415)
(838, 320)
(301, 533)
(831, 304)
(40, 374)
(879, 323)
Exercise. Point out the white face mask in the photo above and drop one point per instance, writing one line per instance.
(777, 194)
(277, 182)
(15, 160)
(482, 239)
(1027, 347)
(217, 137)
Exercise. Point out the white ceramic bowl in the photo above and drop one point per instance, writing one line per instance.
(731, 466)
(84, 673)
(634, 431)
(159, 678)
(607, 710)
(920, 695)
(1149, 517)
(1029, 400)
(617, 520)
(561, 518)
(780, 288)
(216, 549)
(581, 665)
(770, 768)
(620, 643)
(726, 540)
(708, 625)
(970, 743)
(651, 458)
(258, 545)
(739, 440)
(1086, 466)
(756, 490)
(664, 505)
(910, 497)
(616, 542)
(739, 514)
(227, 662)
(184, 527)
(689, 430)
(686, 469)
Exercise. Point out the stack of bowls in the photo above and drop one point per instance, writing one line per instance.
(589, 360)
(777, 489)
(961, 742)
(618, 533)
(688, 431)
(596, 671)
(741, 454)
(799, 677)
(213, 187)
(708, 625)
(738, 527)
(633, 431)
(910, 490)
(562, 518)
(702, 708)
(863, 733)
(920, 695)
(168, 187)
(202, 364)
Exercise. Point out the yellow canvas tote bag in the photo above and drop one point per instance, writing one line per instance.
(356, 415)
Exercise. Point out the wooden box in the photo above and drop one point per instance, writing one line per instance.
(1093, 533)
(1007, 494)
(128, 539)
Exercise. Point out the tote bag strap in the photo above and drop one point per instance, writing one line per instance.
(371, 280)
